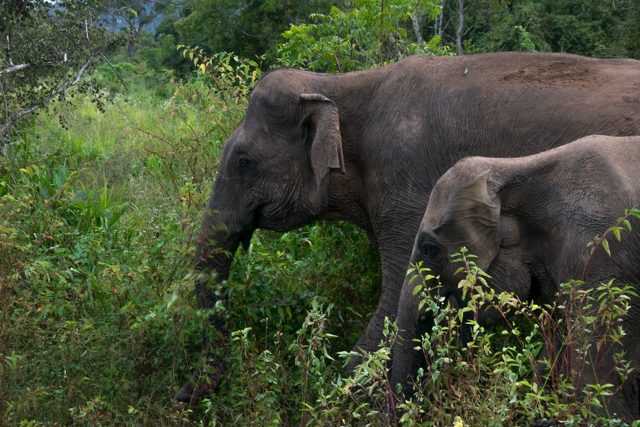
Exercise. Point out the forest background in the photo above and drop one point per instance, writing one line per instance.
(113, 115)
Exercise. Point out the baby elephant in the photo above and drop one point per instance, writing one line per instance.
(529, 221)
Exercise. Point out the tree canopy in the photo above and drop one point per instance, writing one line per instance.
(45, 49)
(247, 28)
(372, 32)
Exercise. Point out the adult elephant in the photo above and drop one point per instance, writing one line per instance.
(529, 221)
(367, 147)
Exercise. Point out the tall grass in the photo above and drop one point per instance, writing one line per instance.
(99, 212)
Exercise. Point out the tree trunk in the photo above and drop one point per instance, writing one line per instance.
(135, 32)
(440, 20)
(460, 26)
(416, 27)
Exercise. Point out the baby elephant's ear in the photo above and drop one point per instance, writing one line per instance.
(472, 219)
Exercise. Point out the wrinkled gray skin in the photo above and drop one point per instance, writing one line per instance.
(529, 221)
(367, 147)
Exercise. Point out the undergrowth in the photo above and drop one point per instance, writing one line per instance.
(99, 213)
(98, 218)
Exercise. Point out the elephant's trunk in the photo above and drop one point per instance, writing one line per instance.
(412, 323)
(221, 232)
(225, 225)
(214, 254)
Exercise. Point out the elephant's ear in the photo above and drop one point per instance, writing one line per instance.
(472, 219)
(326, 148)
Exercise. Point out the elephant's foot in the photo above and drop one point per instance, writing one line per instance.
(199, 386)
(369, 342)
(545, 422)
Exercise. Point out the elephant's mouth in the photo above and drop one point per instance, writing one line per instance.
(465, 330)
(245, 238)
(254, 215)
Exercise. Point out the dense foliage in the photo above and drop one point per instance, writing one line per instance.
(99, 216)
(45, 48)
(592, 28)
(373, 33)
(98, 319)
(247, 28)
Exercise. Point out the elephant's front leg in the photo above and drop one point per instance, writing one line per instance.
(394, 269)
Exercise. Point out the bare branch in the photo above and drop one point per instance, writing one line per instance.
(484, 21)
(415, 19)
(14, 68)
(337, 62)
(416, 27)
(251, 35)
(471, 3)
(460, 26)
(475, 24)
(114, 70)
(19, 67)
(60, 90)
(86, 32)
(444, 26)
(6, 104)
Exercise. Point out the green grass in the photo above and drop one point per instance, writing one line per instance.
(99, 322)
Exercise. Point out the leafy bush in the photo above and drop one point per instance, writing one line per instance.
(514, 386)
(98, 318)
(373, 33)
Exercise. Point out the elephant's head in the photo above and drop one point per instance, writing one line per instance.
(274, 174)
(274, 168)
(466, 208)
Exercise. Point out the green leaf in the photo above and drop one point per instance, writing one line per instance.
(417, 289)
(482, 273)
(616, 232)
(605, 246)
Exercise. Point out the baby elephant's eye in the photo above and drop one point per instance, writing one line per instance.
(430, 250)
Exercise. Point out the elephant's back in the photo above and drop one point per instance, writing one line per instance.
(517, 73)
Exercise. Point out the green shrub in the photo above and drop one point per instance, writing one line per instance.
(479, 386)
(371, 34)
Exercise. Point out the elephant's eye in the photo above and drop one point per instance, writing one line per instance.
(244, 163)
(430, 251)
(429, 248)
